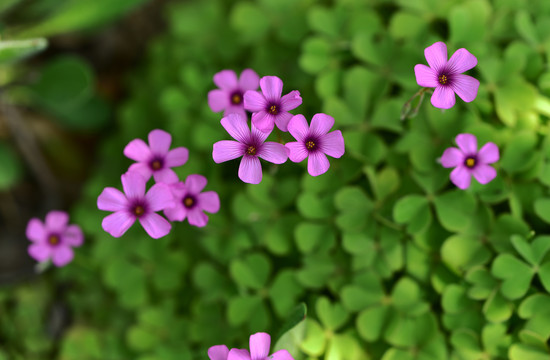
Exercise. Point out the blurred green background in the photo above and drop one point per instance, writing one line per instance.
(392, 261)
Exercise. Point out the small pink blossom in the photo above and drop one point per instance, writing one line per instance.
(54, 239)
(229, 96)
(134, 204)
(190, 202)
(269, 107)
(156, 159)
(250, 145)
(314, 142)
(259, 350)
(467, 161)
(446, 76)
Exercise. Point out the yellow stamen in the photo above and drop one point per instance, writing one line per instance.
(251, 150)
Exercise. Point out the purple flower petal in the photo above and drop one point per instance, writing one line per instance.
(155, 225)
(133, 184)
(35, 230)
(321, 124)
(443, 97)
(111, 199)
(197, 218)
(465, 86)
(425, 76)
(452, 157)
(225, 150)
(218, 100)
(237, 127)
(332, 144)
(226, 79)
(273, 152)
(209, 201)
(272, 87)
(484, 173)
(298, 127)
(235, 109)
(73, 236)
(488, 154)
(281, 355)
(176, 157)
(62, 255)
(159, 142)
(195, 183)
(467, 143)
(462, 60)
(436, 55)
(176, 213)
(249, 80)
(254, 101)
(142, 168)
(137, 150)
(259, 346)
(57, 221)
(258, 136)
(263, 121)
(166, 176)
(461, 177)
(282, 119)
(39, 252)
(250, 170)
(317, 163)
(238, 354)
(159, 197)
(297, 151)
(218, 352)
(117, 223)
(291, 101)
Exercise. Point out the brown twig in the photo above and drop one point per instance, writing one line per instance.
(28, 147)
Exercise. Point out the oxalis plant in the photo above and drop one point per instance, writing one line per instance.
(399, 229)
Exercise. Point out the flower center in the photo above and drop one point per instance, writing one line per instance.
(470, 162)
(443, 79)
(156, 164)
(310, 145)
(138, 210)
(54, 240)
(273, 110)
(236, 98)
(251, 150)
(188, 202)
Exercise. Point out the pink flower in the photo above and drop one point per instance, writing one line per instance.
(156, 159)
(218, 352)
(269, 107)
(314, 142)
(467, 161)
(259, 350)
(250, 145)
(54, 238)
(190, 202)
(446, 76)
(229, 96)
(134, 204)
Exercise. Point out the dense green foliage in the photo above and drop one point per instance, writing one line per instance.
(392, 260)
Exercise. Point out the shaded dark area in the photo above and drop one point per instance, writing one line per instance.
(112, 52)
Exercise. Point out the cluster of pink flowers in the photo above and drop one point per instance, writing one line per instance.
(447, 79)
(180, 200)
(259, 350)
(177, 199)
(269, 108)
